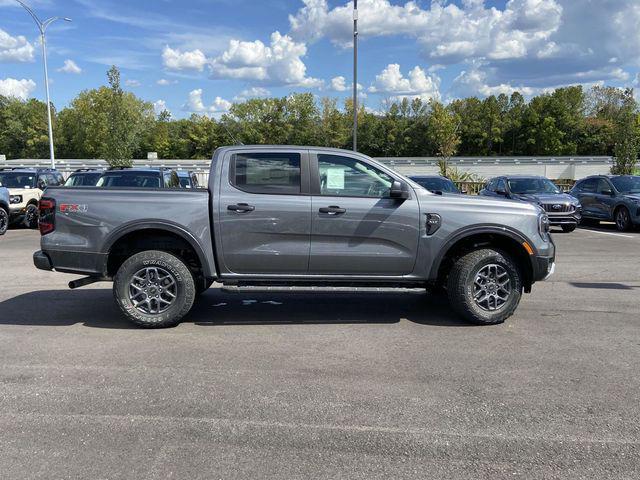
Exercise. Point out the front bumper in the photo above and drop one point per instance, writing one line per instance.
(544, 263)
(564, 219)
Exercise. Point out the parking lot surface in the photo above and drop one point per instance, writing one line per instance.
(331, 384)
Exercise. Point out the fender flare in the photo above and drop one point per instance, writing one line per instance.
(469, 231)
(110, 241)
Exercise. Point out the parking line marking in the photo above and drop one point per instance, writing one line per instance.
(610, 233)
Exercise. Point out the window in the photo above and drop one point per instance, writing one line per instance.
(603, 185)
(589, 185)
(130, 180)
(491, 186)
(348, 177)
(171, 180)
(501, 186)
(275, 173)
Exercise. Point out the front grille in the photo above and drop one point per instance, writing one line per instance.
(558, 207)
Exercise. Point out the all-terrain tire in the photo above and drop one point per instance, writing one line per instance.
(178, 272)
(31, 216)
(460, 286)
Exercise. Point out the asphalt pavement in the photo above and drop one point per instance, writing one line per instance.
(325, 384)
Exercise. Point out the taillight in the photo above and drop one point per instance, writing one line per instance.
(47, 216)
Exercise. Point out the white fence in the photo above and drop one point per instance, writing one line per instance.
(570, 168)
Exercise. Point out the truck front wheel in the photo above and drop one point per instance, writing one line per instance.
(154, 289)
(485, 287)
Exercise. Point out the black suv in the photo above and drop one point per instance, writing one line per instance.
(139, 178)
(563, 210)
(610, 198)
(435, 183)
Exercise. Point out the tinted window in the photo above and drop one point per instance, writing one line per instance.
(589, 185)
(130, 180)
(185, 182)
(603, 185)
(171, 180)
(501, 186)
(276, 173)
(626, 184)
(491, 185)
(348, 177)
(18, 180)
(82, 180)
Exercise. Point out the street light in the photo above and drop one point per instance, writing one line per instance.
(42, 26)
(355, 75)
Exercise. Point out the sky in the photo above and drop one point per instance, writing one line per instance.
(200, 56)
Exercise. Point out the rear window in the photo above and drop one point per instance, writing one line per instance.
(274, 173)
(130, 180)
(82, 180)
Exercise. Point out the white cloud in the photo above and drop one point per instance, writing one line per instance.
(163, 82)
(11, 87)
(160, 106)
(253, 92)
(339, 84)
(279, 63)
(416, 84)
(130, 82)
(15, 49)
(187, 60)
(474, 83)
(70, 67)
(196, 104)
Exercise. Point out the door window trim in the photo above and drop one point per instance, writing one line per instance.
(304, 170)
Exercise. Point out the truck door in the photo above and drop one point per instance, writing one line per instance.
(357, 229)
(265, 212)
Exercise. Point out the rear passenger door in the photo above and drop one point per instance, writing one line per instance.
(357, 228)
(265, 212)
(604, 201)
(586, 193)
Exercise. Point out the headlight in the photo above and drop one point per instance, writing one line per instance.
(543, 226)
(16, 199)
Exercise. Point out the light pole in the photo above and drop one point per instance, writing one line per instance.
(355, 75)
(42, 26)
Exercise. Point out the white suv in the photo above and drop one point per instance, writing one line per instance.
(25, 190)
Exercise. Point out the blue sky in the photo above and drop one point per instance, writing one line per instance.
(202, 55)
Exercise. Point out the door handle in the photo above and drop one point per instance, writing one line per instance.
(332, 210)
(241, 207)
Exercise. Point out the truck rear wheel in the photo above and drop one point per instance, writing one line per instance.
(485, 287)
(154, 289)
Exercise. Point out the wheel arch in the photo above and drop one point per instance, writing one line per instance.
(154, 235)
(493, 236)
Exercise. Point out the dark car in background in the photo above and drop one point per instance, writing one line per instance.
(84, 177)
(610, 198)
(564, 210)
(436, 183)
(139, 178)
(4, 209)
(187, 179)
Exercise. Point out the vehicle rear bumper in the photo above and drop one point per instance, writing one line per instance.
(71, 262)
(42, 261)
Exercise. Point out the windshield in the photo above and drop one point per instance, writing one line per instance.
(437, 184)
(523, 186)
(131, 180)
(18, 180)
(185, 182)
(82, 180)
(626, 184)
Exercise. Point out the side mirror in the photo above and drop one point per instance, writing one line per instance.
(502, 192)
(397, 190)
(607, 191)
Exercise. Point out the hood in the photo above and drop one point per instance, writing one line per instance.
(633, 196)
(21, 191)
(546, 198)
(478, 202)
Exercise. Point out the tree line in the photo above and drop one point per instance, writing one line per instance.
(111, 123)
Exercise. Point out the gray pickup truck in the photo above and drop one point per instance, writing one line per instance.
(276, 215)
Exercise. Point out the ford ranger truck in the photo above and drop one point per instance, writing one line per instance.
(287, 216)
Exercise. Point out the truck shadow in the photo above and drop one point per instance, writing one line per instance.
(95, 308)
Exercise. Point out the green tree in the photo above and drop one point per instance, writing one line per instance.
(443, 127)
(23, 128)
(627, 134)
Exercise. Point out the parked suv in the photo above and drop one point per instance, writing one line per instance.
(4, 209)
(187, 179)
(126, 177)
(25, 188)
(564, 210)
(610, 198)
